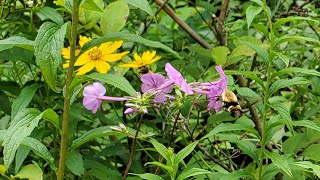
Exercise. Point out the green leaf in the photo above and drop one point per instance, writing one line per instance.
(281, 21)
(191, 173)
(21, 126)
(21, 155)
(312, 152)
(280, 162)
(283, 57)
(51, 116)
(259, 2)
(282, 83)
(141, 4)
(261, 52)
(126, 37)
(236, 175)
(169, 169)
(74, 163)
(306, 123)
(17, 54)
(230, 127)
(93, 134)
(283, 39)
(262, 28)
(251, 12)
(46, 12)
(24, 98)
(40, 150)
(285, 114)
(31, 172)
(296, 70)
(242, 50)
(220, 54)
(114, 17)
(250, 74)
(308, 165)
(185, 152)
(5, 104)
(114, 80)
(90, 5)
(148, 176)
(161, 149)
(48, 45)
(16, 41)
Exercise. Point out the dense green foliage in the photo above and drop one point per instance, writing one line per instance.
(269, 50)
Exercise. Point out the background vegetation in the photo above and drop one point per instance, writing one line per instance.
(268, 49)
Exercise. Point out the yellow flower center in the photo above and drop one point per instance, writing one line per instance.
(95, 54)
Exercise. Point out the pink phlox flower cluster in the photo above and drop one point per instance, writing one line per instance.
(176, 77)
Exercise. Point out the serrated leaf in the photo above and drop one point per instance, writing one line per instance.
(21, 126)
(285, 114)
(220, 54)
(74, 163)
(161, 149)
(93, 134)
(296, 70)
(46, 12)
(48, 45)
(114, 17)
(191, 173)
(230, 127)
(16, 41)
(251, 12)
(282, 83)
(308, 165)
(114, 80)
(185, 152)
(24, 98)
(281, 21)
(126, 37)
(235, 175)
(40, 150)
(141, 4)
(283, 39)
(261, 52)
(31, 172)
(280, 162)
(306, 123)
(148, 176)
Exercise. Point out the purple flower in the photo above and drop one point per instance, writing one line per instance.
(152, 81)
(177, 78)
(93, 95)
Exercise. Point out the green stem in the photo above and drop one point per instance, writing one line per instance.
(66, 107)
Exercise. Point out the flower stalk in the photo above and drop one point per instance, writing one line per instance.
(66, 107)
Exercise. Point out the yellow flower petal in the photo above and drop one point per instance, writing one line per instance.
(133, 64)
(83, 59)
(83, 40)
(102, 67)
(154, 60)
(109, 48)
(65, 53)
(147, 55)
(137, 57)
(66, 65)
(86, 68)
(113, 57)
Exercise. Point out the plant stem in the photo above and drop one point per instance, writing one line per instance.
(133, 146)
(66, 107)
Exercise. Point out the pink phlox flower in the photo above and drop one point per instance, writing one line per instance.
(177, 78)
(156, 82)
(93, 95)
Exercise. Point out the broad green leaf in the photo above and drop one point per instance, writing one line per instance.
(242, 50)
(282, 83)
(280, 162)
(148, 176)
(262, 28)
(21, 126)
(259, 2)
(251, 12)
(114, 80)
(296, 70)
(249, 94)
(191, 173)
(250, 74)
(126, 37)
(31, 172)
(5, 104)
(51, 116)
(306, 123)
(312, 152)
(24, 98)
(281, 21)
(283, 57)
(17, 54)
(90, 5)
(114, 17)
(40, 150)
(283, 39)
(16, 41)
(261, 52)
(285, 114)
(161, 149)
(48, 45)
(169, 169)
(295, 143)
(230, 127)
(236, 175)
(308, 165)
(74, 163)
(46, 12)
(220, 54)
(21, 155)
(185, 152)
(93, 134)
(141, 4)
(11, 87)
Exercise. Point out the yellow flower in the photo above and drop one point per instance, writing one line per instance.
(141, 61)
(96, 57)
